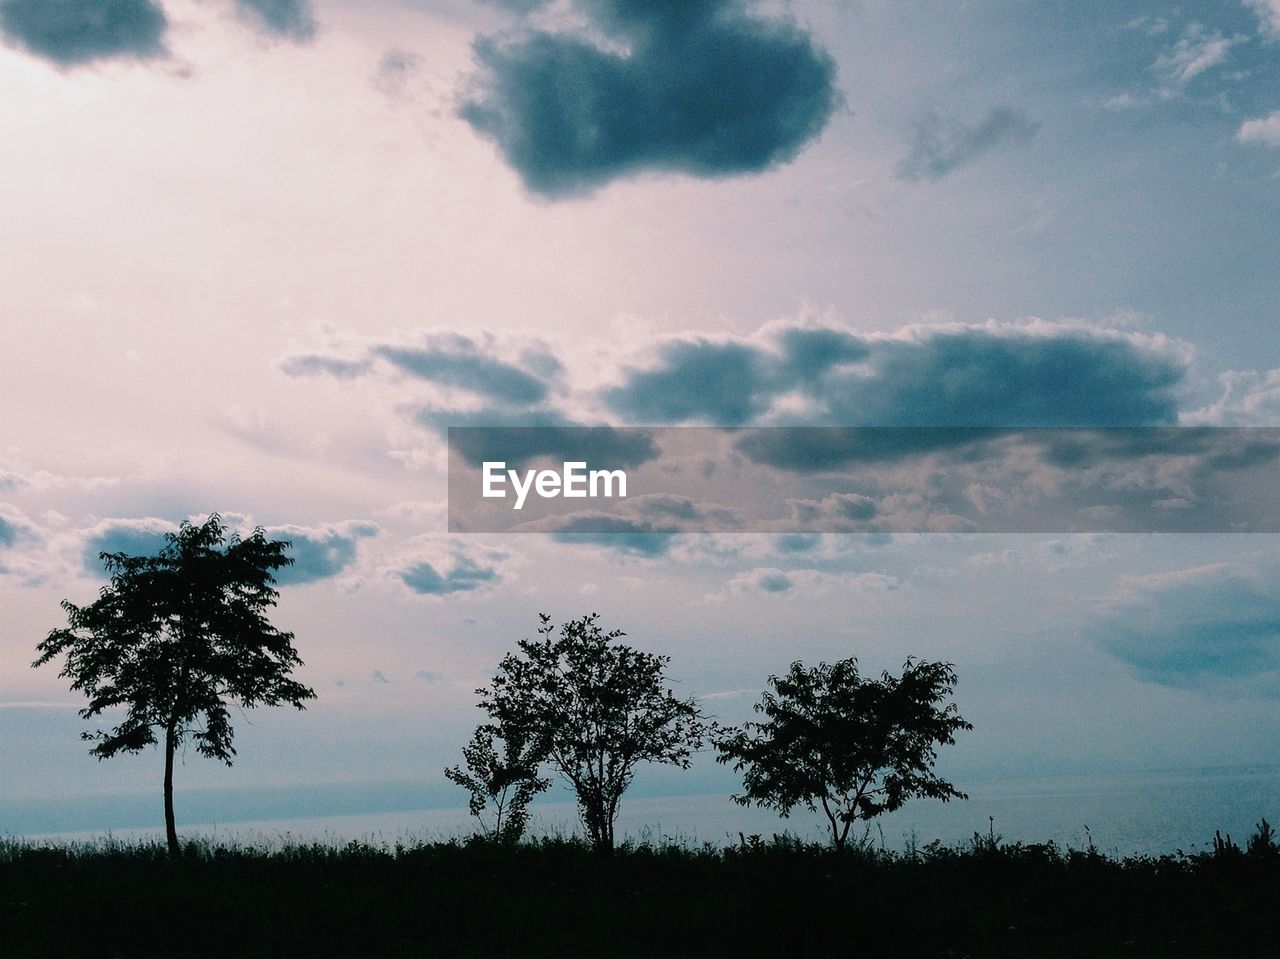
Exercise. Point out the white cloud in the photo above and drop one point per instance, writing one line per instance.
(1249, 398)
(1264, 131)
(1192, 55)
(1268, 12)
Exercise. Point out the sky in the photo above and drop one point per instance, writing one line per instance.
(259, 254)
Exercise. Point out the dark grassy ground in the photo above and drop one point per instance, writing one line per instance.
(555, 898)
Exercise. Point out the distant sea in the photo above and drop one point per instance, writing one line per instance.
(1122, 814)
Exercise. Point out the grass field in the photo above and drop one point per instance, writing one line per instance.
(775, 897)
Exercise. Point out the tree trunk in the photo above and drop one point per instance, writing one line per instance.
(599, 826)
(170, 829)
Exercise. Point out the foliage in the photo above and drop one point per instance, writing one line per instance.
(1262, 843)
(852, 746)
(594, 708)
(554, 897)
(507, 782)
(174, 639)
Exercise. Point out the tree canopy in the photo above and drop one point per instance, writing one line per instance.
(851, 746)
(501, 784)
(594, 708)
(174, 639)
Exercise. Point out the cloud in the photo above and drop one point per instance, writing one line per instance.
(942, 144)
(516, 445)
(1268, 13)
(395, 71)
(467, 369)
(518, 6)
(825, 448)
(697, 380)
(133, 537)
(505, 371)
(801, 584)
(1264, 131)
(312, 364)
(23, 553)
(997, 375)
(1249, 398)
(15, 528)
(290, 19)
(72, 33)
(701, 87)
(1215, 626)
(1194, 53)
(461, 571)
(1035, 374)
(1151, 26)
(790, 543)
(319, 552)
(729, 381)
(620, 534)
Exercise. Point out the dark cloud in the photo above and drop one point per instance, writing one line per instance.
(74, 32)
(465, 576)
(634, 537)
(1218, 449)
(948, 376)
(665, 506)
(681, 511)
(808, 352)
(941, 144)
(797, 542)
(820, 448)
(467, 369)
(983, 377)
(774, 581)
(697, 381)
(517, 445)
(704, 88)
(731, 382)
(319, 553)
(1207, 627)
(291, 19)
(448, 359)
(133, 537)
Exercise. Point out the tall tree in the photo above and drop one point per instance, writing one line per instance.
(594, 708)
(177, 637)
(852, 746)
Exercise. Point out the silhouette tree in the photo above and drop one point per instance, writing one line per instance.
(595, 709)
(175, 638)
(851, 746)
(507, 781)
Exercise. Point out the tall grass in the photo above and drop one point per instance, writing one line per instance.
(779, 896)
